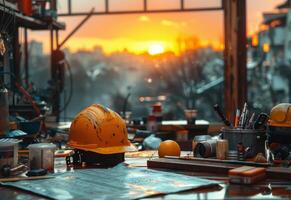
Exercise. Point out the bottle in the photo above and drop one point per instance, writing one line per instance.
(157, 112)
(152, 123)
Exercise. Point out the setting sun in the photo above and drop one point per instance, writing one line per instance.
(155, 49)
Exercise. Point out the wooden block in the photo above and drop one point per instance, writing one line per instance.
(190, 165)
(246, 175)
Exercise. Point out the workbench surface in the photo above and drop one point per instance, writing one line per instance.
(268, 189)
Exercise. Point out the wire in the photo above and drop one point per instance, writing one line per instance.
(2, 15)
(9, 21)
(67, 102)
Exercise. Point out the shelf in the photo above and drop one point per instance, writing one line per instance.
(30, 22)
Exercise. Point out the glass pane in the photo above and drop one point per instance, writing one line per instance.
(202, 3)
(163, 4)
(269, 53)
(87, 5)
(121, 5)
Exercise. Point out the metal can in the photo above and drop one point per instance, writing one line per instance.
(221, 149)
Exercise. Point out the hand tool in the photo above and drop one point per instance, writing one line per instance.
(251, 121)
(236, 121)
(243, 116)
(261, 121)
(221, 115)
(246, 119)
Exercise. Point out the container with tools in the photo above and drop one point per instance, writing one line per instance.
(246, 136)
(41, 156)
(8, 152)
(252, 139)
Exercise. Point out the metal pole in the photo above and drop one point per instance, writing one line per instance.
(145, 5)
(69, 6)
(52, 49)
(26, 57)
(182, 4)
(57, 38)
(106, 6)
(76, 28)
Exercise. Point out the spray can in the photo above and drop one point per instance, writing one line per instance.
(4, 111)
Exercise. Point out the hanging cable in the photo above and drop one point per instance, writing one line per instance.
(67, 102)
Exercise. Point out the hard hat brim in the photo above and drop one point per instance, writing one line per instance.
(108, 150)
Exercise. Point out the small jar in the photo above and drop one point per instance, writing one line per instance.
(41, 156)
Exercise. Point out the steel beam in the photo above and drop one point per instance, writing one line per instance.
(26, 69)
(142, 11)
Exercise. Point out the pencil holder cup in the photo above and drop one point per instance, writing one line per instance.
(250, 138)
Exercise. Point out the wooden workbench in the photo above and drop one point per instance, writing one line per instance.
(263, 190)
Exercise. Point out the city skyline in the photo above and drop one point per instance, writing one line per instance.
(140, 33)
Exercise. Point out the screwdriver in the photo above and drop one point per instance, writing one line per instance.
(221, 115)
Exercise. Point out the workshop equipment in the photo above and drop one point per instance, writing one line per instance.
(279, 131)
(7, 170)
(99, 136)
(243, 117)
(232, 155)
(261, 121)
(252, 139)
(169, 148)
(205, 149)
(4, 110)
(197, 139)
(279, 126)
(221, 115)
(41, 156)
(9, 152)
(221, 149)
(236, 120)
(246, 175)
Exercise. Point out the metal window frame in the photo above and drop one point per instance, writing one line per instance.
(144, 9)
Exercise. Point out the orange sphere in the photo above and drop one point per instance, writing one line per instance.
(169, 148)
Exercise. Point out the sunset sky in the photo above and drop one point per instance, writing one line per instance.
(138, 33)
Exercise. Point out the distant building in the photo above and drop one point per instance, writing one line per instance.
(273, 41)
(270, 48)
(35, 48)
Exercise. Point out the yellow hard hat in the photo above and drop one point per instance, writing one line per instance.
(281, 115)
(100, 130)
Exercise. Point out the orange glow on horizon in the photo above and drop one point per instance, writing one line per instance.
(155, 49)
(152, 47)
